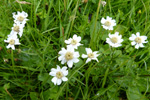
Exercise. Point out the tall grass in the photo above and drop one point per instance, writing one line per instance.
(121, 73)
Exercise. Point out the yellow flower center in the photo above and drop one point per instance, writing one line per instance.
(12, 42)
(138, 40)
(68, 55)
(114, 39)
(20, 18)
(73, 42)
(107, 23)
(91, 55)
(59, 75)
(16, 28)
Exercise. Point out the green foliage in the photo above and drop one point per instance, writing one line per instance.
(122, 73)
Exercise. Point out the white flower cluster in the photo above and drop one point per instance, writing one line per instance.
(70, 56)
(19, 22)
(115, 40)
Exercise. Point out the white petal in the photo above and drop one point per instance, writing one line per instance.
(84, 56)
(121, 40)
(108, 18)
(75, 60)
(52, 73)
(6, 41)
(58, 67)
(138, 34)
(102, 20)
(141, 45)
(110, 35)
(17, 42)
(63, 61)
(144, 37)
(133, 43)
(13, 47)
(145, 41)
(59, 81)
(110, 28)
(53, 69)
(54, 80)
(68, 41)
(78, 39)
(60, 58)
(116, 34)
(105, 27)
(20, 34)
(70, 64)
(88, 60)
(63, 51)
(64, 68)
(76, 54)
(95, 54)
(133, 36)
(95, 59)
(88, 50)
(137, 46)
(65, 73)
(108, 40)
(64, 78)
(70, 49)
(75, 37)
(8, 46)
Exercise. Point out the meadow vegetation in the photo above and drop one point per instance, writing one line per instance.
(121, 73)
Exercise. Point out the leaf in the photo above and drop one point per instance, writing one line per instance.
(112, 96)
(34, 96)
(93, 1)
(134, 94)
(44, 77)
(51, 93)
(6, 86)
(121, 29)
(80, 63)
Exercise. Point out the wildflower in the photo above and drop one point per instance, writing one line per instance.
(23, 2)
(114, 40)
(17, 29)
(12, 40)
(5, 60)
(21, 17)
(84, 1)
(90, 55)
(138, 40)
(69, 56)
(108, 23)
(74, 42)
(103, 3)
(59, 75)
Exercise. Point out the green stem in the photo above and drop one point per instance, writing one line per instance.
(95, 25)
(13, 64)
(105, 77)
(12, 58)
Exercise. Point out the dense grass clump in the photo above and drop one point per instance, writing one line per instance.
(121, 73)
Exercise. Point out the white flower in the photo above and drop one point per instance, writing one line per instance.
(108, 23)
(21, 17)
(103, 3)
(12, 40)
(59, 75)
(114, 40)
(17, 29)
(69, 56)
(138, 40)
(74, 42)
(90, 55)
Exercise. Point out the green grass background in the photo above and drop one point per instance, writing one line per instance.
(121, 74)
